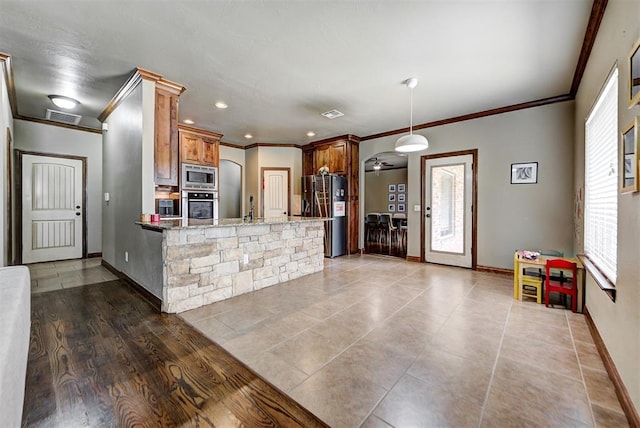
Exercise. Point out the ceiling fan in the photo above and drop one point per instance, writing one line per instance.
(378, 165)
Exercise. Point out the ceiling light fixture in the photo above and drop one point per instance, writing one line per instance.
(412, 142)
(248, 136)
(188, 121)
(221, 104)
(311, 134)
(64, 102)
(377, 166)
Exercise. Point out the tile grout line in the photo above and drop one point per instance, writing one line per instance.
(584, 382)
(495, 365)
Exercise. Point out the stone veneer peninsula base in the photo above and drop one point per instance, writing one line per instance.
(206, 261)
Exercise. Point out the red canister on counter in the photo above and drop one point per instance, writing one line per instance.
(155, 218)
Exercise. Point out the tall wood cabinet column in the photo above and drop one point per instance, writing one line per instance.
(166, 159)
(341, 155)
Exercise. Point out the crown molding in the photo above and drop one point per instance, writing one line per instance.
(595, 19)
(137, 76)
(476, 115)
(194, 130)
(59, 124)
(254, 145)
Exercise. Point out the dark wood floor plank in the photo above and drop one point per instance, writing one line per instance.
(101, 356)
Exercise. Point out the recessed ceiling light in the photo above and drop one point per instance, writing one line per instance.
(332, 114)
(188, 121)
(248, 136)
(64, 102)
(221, 104)
(311, 134)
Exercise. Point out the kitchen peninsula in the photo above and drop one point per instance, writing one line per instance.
(204, 261)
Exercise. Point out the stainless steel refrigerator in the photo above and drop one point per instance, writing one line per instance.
(326, 196)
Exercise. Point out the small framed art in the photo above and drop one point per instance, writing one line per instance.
(391, 208)
(401, 187)
(633, 97)
(392, 188)
(401, 208)
(524, 173)
(629, 158)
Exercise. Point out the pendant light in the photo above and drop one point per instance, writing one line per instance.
(412, 142)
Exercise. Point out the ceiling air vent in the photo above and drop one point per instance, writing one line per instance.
(60, 116)
(332, 114)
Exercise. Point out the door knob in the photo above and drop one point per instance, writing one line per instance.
(427, 215)
(77, 207)
(77, 213)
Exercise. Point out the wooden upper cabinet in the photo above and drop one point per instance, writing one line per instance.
(338, 158)
(210, 155)
(199, 147)
(166, 133)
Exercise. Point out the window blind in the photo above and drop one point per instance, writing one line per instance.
(601, 180)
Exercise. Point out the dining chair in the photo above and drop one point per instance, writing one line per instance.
(530, 283)
(557, 282)
(385, 225)
(372, 224)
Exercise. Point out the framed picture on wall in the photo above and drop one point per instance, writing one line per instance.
(524, 173)
(401, 208)
(392, 188)
(629, 158)
(391, 208)
(633, 97)
(392, 197)
(401, 187)
(401, 197)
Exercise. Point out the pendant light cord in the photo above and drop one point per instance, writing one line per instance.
(411, 114)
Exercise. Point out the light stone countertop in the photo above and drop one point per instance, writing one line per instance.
(223, 222)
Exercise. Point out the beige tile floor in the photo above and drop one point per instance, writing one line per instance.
(379, 342)
(67, 274)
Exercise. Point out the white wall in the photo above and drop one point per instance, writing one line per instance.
(618, 323)
(129, 182)
(376, 197)
(283, 157)
(6, 122)
(509, 216)
(37, 137)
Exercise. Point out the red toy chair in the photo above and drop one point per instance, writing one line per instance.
(560, 283)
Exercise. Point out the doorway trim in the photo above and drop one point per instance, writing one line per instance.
(275, 168)
(18, 206)
(474, 201)
(9, 190)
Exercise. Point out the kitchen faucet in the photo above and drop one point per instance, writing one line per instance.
(250, 215)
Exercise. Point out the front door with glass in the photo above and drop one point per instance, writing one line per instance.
(448, 210)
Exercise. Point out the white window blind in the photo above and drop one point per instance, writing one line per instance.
(601, 180)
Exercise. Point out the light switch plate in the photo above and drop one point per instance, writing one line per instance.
(416, 208)
(106, 196)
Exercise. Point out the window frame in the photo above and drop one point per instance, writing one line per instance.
(598, 267)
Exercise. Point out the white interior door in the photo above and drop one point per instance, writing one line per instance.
(276, 192)
(51, 208)
(448, 210)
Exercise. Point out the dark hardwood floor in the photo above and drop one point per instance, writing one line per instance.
(101, 356)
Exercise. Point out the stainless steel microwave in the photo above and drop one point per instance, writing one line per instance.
(198, 177)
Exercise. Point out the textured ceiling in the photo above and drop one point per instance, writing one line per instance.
(279, 64)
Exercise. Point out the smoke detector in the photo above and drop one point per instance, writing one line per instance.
(63, 117)
(332, 114)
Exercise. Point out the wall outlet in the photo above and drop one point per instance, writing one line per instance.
(245, 260)
(126, 257)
